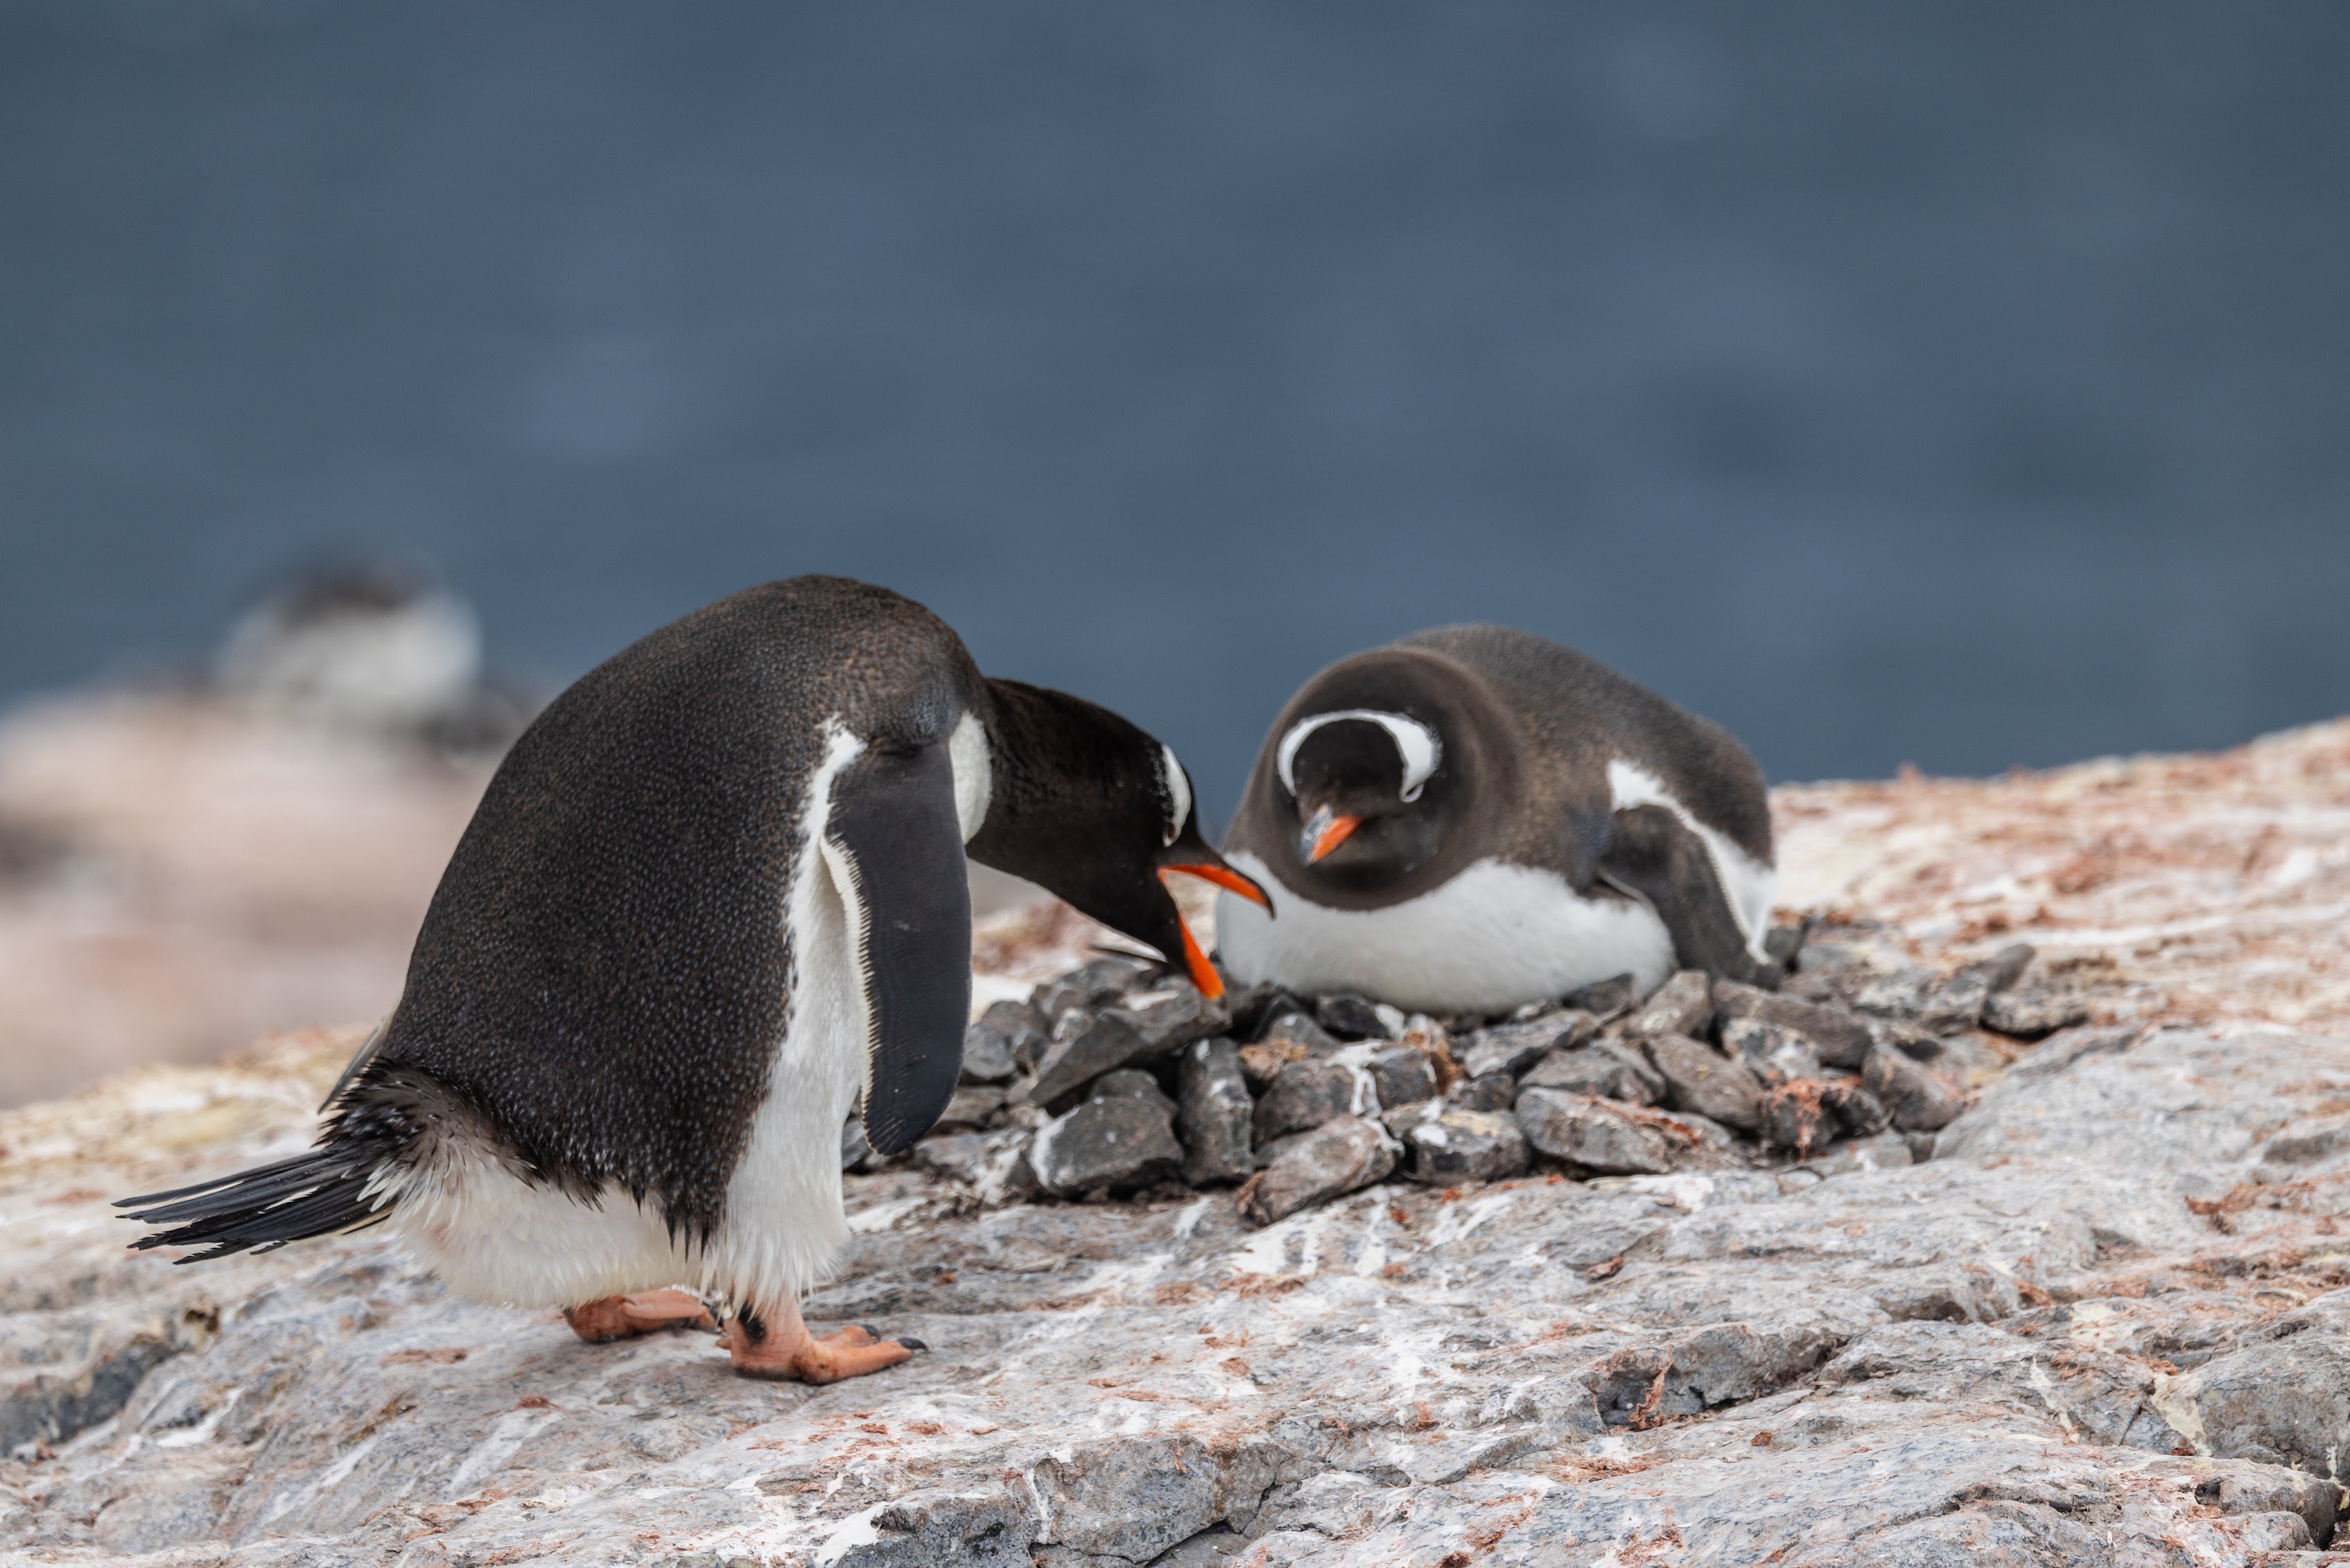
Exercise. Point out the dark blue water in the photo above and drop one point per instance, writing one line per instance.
(1960, 384)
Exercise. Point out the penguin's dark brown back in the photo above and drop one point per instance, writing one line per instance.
(1580, 712)
(605, 971)
(1529, 729)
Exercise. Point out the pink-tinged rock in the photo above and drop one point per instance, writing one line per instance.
(1604, 1135)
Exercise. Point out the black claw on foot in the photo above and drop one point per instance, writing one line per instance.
(909, 1340)
(869, 1328)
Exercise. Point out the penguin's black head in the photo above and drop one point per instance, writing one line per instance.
(1099, 812)
(1369, 787)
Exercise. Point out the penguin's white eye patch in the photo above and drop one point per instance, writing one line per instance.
(1415, 743)
(1175, 787)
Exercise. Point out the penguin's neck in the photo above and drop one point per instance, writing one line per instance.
(1035, 745)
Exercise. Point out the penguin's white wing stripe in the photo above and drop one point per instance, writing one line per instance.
(1746, 883)
(1415, 742)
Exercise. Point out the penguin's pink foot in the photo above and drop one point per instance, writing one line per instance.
(643, 1312)
(785, 1350)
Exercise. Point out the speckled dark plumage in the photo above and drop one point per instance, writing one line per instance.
(605, 968)
(605, 971)
(1578, 713)
(1528, 729)
(1514, 750)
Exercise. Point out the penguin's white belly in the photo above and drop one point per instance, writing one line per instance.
(494, 1238)
(1493, 938)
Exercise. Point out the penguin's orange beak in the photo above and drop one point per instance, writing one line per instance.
(1324, 831)
(1203, 973)
(1230, 880)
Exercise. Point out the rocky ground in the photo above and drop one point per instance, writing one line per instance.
(1927, 1259)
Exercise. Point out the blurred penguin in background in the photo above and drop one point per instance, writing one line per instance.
(373, 646)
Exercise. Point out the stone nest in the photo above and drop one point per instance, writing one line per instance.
(1118, 1080)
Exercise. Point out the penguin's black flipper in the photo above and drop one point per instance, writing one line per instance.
(893, 825)
(1651, 855)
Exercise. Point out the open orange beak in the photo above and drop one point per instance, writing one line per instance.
(1203, 973)
(1324, 831)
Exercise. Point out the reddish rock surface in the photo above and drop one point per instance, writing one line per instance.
(186, 876)
(2223, 880)
(2106, 1322)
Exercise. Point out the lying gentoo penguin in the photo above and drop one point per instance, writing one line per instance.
(1474, 818)
(715, 893)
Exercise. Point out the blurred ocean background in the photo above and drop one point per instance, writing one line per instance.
(1959, 384)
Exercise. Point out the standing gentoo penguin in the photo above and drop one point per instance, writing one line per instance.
(1472, 819)
(713, 895)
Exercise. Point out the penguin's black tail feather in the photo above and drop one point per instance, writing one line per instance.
(320, 1193)
(374, 1113)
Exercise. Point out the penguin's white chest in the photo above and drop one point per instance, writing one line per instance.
(1493, 938)
(784, 1217)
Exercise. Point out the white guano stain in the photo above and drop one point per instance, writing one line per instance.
(883, 1216)
(2176, 1407)
(1267, 1251)
(2046, 1386)
(494, 1450)
(1458, 1219)
(1686, 1192)
(850, 1533)
(1188, 1219)
(332, 1476)
(201, 1432)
